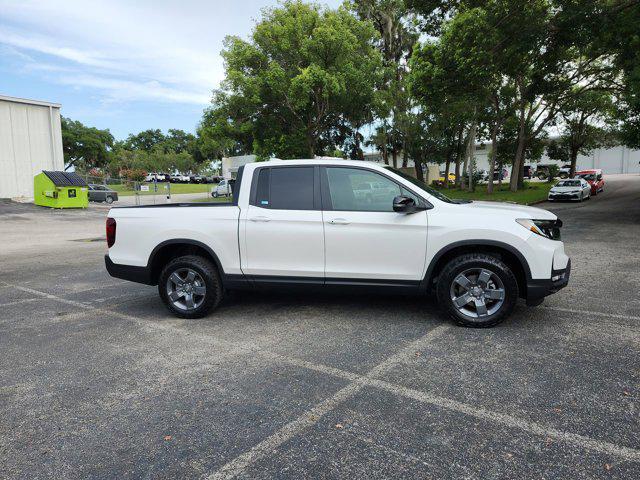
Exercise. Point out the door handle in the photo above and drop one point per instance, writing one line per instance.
(339, 221)
(259, 219)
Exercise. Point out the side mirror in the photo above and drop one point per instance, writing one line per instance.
(404, 204)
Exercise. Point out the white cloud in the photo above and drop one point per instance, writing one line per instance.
(159, 50)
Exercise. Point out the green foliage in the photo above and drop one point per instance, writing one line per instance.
(553, 171)
(133, 174)
(85, 147)
(297, 87)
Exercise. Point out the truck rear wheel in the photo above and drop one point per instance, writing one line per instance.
(190, 286)
(477, 290)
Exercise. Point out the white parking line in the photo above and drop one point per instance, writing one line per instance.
(582, 441)
(313, 416)
(18, 302)
(590, 312)
(357, 383)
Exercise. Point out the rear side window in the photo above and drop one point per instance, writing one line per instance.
(262, 190)
(285, 188)
(291, 188)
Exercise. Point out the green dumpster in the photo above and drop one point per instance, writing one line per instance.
(60, 190)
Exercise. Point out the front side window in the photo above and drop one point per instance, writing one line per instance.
(354, 189)
(423, 186)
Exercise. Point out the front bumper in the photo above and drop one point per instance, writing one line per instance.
(538, 289)
(564, 196)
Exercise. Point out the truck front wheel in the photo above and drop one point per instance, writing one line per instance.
(477, 290)
(190, 286)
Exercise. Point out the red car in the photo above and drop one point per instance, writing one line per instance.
(595, 179)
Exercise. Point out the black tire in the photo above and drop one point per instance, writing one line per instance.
(477, 261)
(207, 272)
(581, 197)
(109, 200)
(215, 194)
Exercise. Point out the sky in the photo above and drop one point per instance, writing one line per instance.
(121, 64)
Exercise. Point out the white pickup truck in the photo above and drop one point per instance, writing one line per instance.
(303, 223)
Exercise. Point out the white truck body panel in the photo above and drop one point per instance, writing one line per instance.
(250, 240)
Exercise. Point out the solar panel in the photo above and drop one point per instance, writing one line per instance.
(65, 179)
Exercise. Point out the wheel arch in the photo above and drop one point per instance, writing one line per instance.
(170, 249)
(507, 253)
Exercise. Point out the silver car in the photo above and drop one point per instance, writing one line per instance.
(570, 189)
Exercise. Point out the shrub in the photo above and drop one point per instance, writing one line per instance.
(554, 170)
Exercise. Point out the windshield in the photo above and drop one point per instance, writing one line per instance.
(569, 183)
(421, 185)
(587, 176)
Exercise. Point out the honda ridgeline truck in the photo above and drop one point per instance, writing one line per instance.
(341, 224)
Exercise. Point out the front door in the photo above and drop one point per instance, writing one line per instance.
(364, 237)
(283, 230)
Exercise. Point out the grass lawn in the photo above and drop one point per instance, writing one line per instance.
(210, 199)
(532, 192)
(176, 188)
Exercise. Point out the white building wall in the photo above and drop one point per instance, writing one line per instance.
(30, 141)
(230, 165)
(618, 159)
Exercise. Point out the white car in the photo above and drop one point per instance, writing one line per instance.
(223, 189)
(570, 189)
(300, 223)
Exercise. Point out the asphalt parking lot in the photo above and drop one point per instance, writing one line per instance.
(97, 380)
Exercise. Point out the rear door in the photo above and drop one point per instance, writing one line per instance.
(364, 237)
(283, 229)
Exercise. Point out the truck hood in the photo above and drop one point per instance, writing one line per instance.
(565, 189)
(515, 210)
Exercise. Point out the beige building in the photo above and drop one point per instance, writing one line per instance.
(30, 141)
(230, 165)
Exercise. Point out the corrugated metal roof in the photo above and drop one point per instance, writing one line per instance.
(65, 179)
(28, 101)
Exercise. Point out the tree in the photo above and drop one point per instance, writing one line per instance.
(583, 119)
(296, 78)
(398, 34)
(179, 141)
(85, 147)
(613, 28)
(448, 95)
(144, 140)
(226, 128)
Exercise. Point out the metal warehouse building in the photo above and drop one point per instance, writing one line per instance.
(30, 142)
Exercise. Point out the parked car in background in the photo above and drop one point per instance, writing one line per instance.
(528, 171)
(223, 189)
(158, 177)
(564, 171)
(102, 193)
(196, 179)
(594, 178)
(451, 178)
(570, 189)
(497, 174)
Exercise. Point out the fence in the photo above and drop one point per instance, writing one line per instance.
(157, 192)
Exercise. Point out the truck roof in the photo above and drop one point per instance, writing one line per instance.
(317, 161)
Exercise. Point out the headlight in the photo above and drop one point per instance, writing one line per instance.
(546, 228)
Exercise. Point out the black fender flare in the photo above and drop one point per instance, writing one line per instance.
(426, 282)
(184, 241)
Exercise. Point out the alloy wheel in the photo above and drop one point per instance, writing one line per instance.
(186, 289)
(477, 292)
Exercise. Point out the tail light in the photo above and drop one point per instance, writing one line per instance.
(111, 232)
